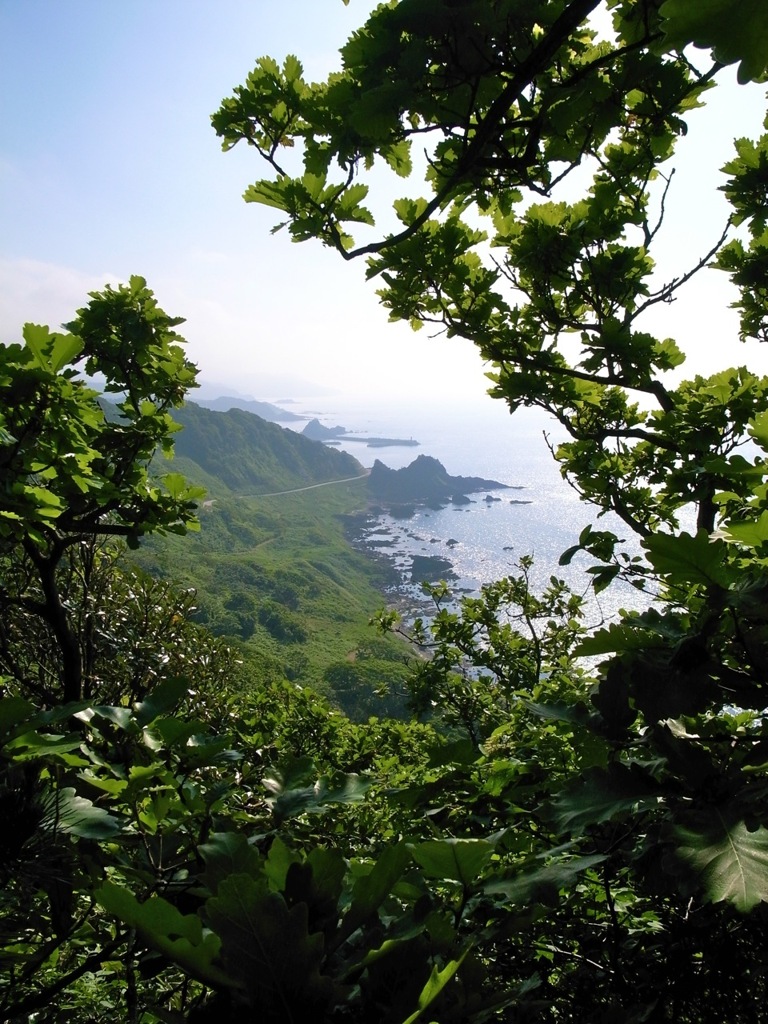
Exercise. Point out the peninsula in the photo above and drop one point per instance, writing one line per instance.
(315, 431)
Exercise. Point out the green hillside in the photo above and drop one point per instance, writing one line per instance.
(249, 455)
(276, 574)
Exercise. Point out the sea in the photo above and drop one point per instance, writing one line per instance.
(537, 513)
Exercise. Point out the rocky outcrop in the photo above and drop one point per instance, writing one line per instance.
(424, 481)
(315, 431)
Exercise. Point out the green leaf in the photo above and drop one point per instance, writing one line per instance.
(601, 794)
(758, 429)
(462, 751)
(634, 632)
(180, 938)
(79, 817)
(542, 885)
(348, 207)
(123, 718)
(180, 488)
(408, 210)
(735, 30)
(328, 870)
(292, 68)
(278, 864)
(169, 732)
(13, 711)
(561, 711)
(751, 533)
(686, 559)
(398, 156)
(731, 861)
(603, 576)
(268, 947)
(228, 853)
(434, 986)
(30, 746)
(268, 193)
(370, 890)
(567, 556)
(65, 348)
(459, 859)
(39, 341)
(289, 795)
(162, 698)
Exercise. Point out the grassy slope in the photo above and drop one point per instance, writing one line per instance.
(277, 573)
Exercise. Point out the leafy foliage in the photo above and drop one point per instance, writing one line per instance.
(579, 830)
(490, 254)
(628, 788)
(70, 472)
(735, 32)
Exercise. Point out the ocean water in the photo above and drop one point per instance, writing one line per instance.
(539, 515)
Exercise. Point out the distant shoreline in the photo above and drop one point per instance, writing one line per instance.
(335, 435)
(375, 442)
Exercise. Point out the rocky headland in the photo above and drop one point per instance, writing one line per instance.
(424, 482)
(315, 431)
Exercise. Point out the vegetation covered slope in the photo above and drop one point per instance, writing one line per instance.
(276, 574)
(251, 456)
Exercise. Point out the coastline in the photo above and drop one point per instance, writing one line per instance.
(366, 533)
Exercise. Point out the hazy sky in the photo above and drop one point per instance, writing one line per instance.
(109, 167)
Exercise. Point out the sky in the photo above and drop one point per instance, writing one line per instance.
(109, 167)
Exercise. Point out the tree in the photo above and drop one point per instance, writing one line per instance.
(510, 102)
(75, 469)
(645, 855)
(597, 847)
(144, 868)
(79, 627)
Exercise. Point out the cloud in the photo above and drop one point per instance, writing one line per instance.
(35, 292)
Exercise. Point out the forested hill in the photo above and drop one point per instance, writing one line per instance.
(251, 456)
(267, 411)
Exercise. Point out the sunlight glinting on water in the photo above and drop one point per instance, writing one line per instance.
(537, 514)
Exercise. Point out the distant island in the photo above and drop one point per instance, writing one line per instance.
(425, 481)
(315, 431)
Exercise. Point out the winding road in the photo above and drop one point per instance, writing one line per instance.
(309, 487)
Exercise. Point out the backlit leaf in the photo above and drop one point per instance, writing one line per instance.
(687, 559)
(179, 937)
(434, 986)
(79, 817)
(601, 794)
(731, 861)
(735, 30)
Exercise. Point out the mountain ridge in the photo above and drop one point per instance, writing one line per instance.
(249, 454)
(266, 410)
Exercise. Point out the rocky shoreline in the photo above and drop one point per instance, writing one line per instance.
(400, 589)
(398, 495)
